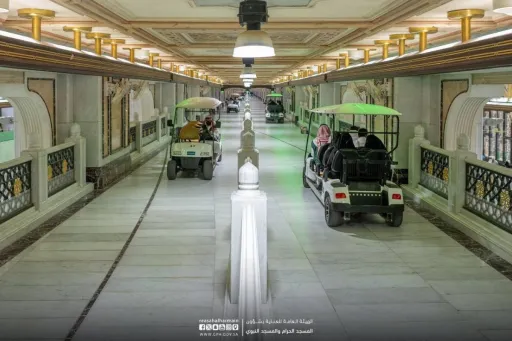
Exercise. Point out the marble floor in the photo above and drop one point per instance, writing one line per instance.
(147, 259)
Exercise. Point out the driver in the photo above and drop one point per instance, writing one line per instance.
(208, 130)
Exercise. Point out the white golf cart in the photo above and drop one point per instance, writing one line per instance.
(234, 105)
(193, 147)
(348, 180)
(274, 112)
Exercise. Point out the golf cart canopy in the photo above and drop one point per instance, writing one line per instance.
(199, 103)
(356, 109)
(274, 95)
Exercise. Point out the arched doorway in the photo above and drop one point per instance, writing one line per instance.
(466, 113)
(31, 121)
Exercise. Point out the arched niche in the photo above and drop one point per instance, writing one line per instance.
(30, 117)
(465, 115)
(350, 96)
(143, 105)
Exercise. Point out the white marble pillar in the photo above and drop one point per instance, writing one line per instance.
(415, 156)
(457, 174)
(39, 171)
(80, 153)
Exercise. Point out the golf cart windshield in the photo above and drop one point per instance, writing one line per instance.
(380, 121)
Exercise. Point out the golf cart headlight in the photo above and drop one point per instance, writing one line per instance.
(281, 115)
(205, 153)
(176, 152)
(267, 114)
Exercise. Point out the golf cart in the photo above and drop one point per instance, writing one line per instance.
(234, 105)
(275, 111)
(193, 146)
(347, 180)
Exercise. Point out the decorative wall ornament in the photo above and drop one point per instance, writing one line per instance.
(138, 87)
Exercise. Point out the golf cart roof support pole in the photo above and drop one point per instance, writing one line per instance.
(307, 139)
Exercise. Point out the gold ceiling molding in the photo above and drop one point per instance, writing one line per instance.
(490, 53)
(491, 78)
(20, 54)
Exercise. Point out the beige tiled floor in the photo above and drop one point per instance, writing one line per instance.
(363, 281)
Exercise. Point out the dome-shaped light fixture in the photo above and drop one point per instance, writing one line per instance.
(502, 6)
(253, 43)
(4, 6)
(356, 54)
(247, 85)
(248, 80)
(248, 73)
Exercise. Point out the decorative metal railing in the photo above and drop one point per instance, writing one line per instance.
(148, 128)
(15, 190)
(434, 171)
(488, 194)
(61, 169)
(149, 132)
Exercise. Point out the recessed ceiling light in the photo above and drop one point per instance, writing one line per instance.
(502, 6)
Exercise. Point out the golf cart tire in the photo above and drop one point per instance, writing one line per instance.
(208, 169)
(304, 181)
(172, 170)
(396, 219)
(220, 157)
(281, 120)
(332, 218)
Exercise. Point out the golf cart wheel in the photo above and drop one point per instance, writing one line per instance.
(396, 219)
(332, 217)
(220, 157)
(208, 169)
(304, 181)
(281, 120)
(172, 170)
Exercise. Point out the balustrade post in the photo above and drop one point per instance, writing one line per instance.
(415, 155)
(138, 136)
(39, 171)
(248, 195)
(158, 128)
(457, 179)
(79, 153)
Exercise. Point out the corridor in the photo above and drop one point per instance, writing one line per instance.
(148, 259)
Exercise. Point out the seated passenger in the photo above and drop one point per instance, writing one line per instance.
(373, 142)
(323, 137)
(361, 140)
(345, 142)
(354, 134)
(335, 139)
(208, 130)
(190, 131)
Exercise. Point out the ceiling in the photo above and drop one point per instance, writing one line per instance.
(201, 34)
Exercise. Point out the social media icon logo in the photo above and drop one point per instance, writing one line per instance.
(235, 327)
(215, 327)
(222, 326)
(202, 327)
(208, 327)
(229, 326)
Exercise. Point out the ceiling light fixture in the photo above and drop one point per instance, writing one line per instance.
(502, 6)
(247, 85)
(247, 72)
(356, 54)
(253, 43)
(4, 6)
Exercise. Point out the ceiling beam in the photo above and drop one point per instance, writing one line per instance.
(274, 25)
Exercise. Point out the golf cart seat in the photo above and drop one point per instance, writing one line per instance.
(362, 166)
(191, 131)
(321, 153)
